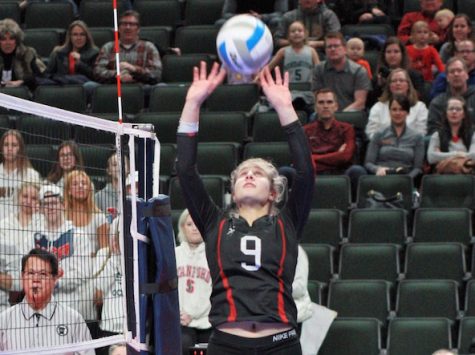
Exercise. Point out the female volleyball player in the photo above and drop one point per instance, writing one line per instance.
(251, 249)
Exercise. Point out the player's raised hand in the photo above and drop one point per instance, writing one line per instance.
(204, 84)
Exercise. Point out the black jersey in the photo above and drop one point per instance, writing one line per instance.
(252, 267)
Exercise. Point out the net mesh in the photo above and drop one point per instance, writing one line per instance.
(62, 178)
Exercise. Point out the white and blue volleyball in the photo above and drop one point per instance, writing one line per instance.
(244, 44)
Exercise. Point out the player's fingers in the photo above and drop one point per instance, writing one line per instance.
(286, 79)
(203, 70)
(195, 74)
(278, 76)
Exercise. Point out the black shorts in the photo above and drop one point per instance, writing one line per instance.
(282, 343)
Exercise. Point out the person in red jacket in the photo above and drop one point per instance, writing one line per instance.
(427, 13)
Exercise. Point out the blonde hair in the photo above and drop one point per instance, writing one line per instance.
(181, 226)
(412, 93)
(11, 27)
(419, 25)
(69, 201)
(355, 40)
(278, 183)
(444, 12)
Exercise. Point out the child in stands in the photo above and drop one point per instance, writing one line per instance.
(355, 49)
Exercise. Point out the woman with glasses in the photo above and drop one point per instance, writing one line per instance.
(399, 83)
(68, 158)
(452, 146)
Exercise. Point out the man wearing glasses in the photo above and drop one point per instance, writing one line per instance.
(39, 320)
(139, 60)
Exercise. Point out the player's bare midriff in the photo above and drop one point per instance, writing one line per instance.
(251, 329)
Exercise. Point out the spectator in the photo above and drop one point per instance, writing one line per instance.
(399, 83)
(396, 149)
(318, 19)
(19, 64)
(465, 49)
(118, 349)
(68, 158)
(444, 18)
(457, 76)
(139, 60)
(73, 62)
(392, 56)
(15, 169)
(362, 11)
(16, 235)
(348, 80)
(427, 12)
(355, 49)
(299, 60)
(459, 30)
(194, 288)
(59, 324)
(423, 55)
(270, 12)
(452, 146)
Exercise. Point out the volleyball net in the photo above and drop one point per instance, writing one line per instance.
(66, 187)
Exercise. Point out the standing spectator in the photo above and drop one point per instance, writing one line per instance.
(453, 144)
(19, 64)
(317, 18)
(299, 60)
(68, 158)
(39, 320)
(73, 62)
(399, 83)
(428, 10)
(194, 284)
(139, 60)
(348, 80)
(457, 76)
(423, 55)
(459, 30)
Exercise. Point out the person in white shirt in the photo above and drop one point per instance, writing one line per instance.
(40, 321)
(194, 284)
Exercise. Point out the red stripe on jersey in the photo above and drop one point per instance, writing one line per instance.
(229, 292)
(280, 295)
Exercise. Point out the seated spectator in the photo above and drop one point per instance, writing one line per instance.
(362, 11)
(19, 64)
(270, 12)
(355, 49)
(68, 158)
(457, 77)
(318, 19)
(139, 60)
(299, 60)
(465, 50)
(58, 324)
(348, 80)
(194, 288)
(459, 29)
(423, 56)
(427, 12)
(452, 147)
(399, 83)
(392, 56)
(73, 61)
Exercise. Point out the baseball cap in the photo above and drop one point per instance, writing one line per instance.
(50, 191)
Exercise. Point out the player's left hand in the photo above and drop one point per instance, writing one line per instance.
(277, 92)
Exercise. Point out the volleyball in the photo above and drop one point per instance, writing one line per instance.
(244, 44)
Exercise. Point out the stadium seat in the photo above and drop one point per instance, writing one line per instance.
(66, 97)
(95, 158)
(98, 13)
(224, 98)
(6, 123)
(359, 30)
(447, 191)
(158, 13)
(10, 9)
(266, 127)
(223, 127)
(315, 289)
(466, 7)
(217, 158)
(443, 225)
(324, 226)
(213, 184)
(179, 68)
(167, 160)
(417, 336)
(466, 334)
(41, 157)
(360, 298)
(104, 99)
(197, 39)
(277, 152)
(43, 40)
(428, 298)
(358, 119)
(165, 124)
(102, 35)
(369, 262)
(388, 185)
(39, 130)
(169, 98)
(87, 135)
(49, 15)
(470, 299)
(158, 35)
(332, 191)
(203, 12)
(365, 226)
(320, 259)
(358, 336)
(435, 261)
(21, 92)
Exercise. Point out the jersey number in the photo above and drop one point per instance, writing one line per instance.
(297, 75)
(251, 245)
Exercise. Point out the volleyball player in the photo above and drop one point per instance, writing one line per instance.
(252, 248)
